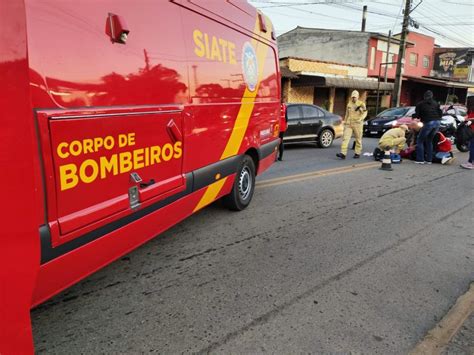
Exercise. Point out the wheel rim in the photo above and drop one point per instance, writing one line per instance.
(326, 138)
(245, 183)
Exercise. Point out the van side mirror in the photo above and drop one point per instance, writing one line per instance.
(117, 29)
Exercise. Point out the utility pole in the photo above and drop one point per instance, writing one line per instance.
(387, 55)
(401, 56)
(364, 18)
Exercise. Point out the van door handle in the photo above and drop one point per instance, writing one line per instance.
(146, 184)
(173, 131)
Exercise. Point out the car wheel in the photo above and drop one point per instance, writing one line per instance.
(244, 186)
(325, 139)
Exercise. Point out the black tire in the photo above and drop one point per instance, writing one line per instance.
(244, 186)
(325, 138)
(462, 147)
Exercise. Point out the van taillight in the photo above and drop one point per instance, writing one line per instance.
(283, 111)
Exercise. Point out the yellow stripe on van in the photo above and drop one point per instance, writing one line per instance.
(241, 122)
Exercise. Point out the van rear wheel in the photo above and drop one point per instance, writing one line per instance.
(244, 186)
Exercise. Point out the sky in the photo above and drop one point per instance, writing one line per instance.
(450, 22)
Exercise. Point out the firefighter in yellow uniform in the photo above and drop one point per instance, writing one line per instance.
(394, 139)
(356, 112)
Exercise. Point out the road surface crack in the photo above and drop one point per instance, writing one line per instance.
(264, 318)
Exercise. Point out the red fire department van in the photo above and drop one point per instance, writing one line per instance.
(120, 119)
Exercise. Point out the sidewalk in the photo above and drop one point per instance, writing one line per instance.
(454, 334)
(463, 342)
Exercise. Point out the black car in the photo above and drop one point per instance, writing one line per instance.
(392, 117)
(311, 123)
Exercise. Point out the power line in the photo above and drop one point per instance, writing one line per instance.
(432, 22)
(444, 35)
(451, 25)
(379, 13)
(436, 12)
(424, 26)
(433, 16)
(385, 3)
(320, 14)
(386, 14)
(398, 16)
(288, 4)
(459, 3)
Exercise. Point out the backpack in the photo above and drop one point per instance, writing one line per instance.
(378, 154)
(396, 158)
(464, 133)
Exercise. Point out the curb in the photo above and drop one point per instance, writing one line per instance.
(438, 337)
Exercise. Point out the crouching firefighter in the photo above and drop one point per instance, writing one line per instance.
(353, 125)
(394, 140)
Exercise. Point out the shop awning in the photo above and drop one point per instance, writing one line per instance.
(287, 73)
(340, 82)
(439, 82)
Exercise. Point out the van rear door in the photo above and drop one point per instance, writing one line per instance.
(110, 114)
(103, 165)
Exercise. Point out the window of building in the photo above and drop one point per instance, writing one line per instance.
(372, 57)
(413, 59)
(390, 60)
(426, 61)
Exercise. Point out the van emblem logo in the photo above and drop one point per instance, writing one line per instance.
(250, 66)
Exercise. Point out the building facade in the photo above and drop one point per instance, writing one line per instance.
(323, 66)
(422, 70)
(326, 65)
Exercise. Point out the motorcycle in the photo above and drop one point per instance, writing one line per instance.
(449, 125)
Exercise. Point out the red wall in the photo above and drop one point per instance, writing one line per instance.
(424, 45)
(380, 57)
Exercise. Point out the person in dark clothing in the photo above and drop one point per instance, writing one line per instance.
(429, 113)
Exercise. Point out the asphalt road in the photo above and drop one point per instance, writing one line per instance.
(348, 260)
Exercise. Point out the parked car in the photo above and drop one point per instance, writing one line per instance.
(392, 117)
(311, 123)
